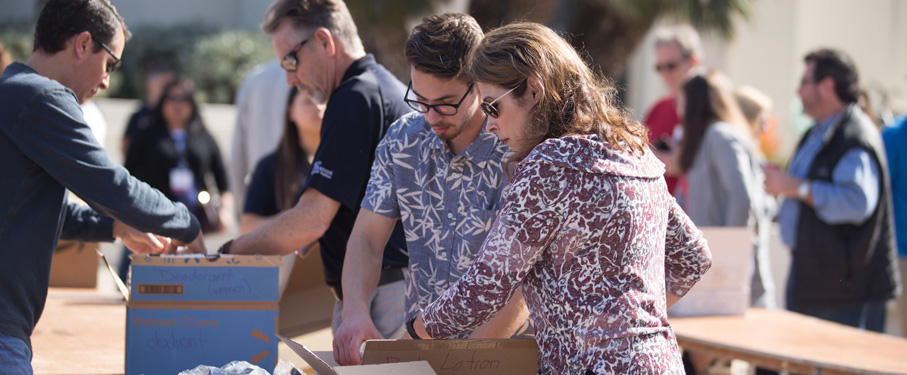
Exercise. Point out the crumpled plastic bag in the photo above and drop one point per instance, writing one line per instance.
(243, 368)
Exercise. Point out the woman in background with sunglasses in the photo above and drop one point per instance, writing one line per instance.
(176, 154)
(588, 228)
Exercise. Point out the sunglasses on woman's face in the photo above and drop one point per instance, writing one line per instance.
(491, 108)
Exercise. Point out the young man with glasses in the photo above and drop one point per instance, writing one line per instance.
(47, 149)
(677, 55)
(441, 174)
(320, 49)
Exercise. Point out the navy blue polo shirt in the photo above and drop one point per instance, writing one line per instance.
(368, 100)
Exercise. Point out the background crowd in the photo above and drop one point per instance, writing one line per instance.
(320, 134)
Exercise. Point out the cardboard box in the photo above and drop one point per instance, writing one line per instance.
(454, 357)
(459, 357)
(307, 303)
(725, 288)
(74, 265)
(188, 310)
(321, 366)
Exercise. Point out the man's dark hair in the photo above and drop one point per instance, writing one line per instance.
(840, 67)
(441, 44)
(61, 19)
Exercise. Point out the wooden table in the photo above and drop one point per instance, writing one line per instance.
(783, 340)
(82, 331)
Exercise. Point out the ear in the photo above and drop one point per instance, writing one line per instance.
(81, 44)
(827, 86)
(534, 91)
(326, 39)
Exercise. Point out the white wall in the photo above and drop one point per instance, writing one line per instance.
(767, 52)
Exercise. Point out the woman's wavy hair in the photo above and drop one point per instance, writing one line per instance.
(709, 99)
(574, 100)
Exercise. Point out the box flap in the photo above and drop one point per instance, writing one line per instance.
(322, 368)
(202, 260)
(405, 368)
(487, 356)
(116, 277)
(181, 278)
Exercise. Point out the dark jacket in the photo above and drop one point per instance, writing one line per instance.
(843, 266)
(152, 155)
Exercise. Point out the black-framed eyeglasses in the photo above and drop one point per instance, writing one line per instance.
(116, 62)
(442, 109)
(289, 62)
(491, 108)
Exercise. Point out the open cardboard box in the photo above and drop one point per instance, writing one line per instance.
(188, 310)
(74, 265)
(445, 357)
(322, 367)
(725, 288)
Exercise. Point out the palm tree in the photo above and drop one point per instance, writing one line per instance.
(607, 30)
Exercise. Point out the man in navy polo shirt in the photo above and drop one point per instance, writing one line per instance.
(319, 47)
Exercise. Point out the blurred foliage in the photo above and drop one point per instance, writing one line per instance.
(217, 60)
(17, 37)
(384, 26)
(608, 31)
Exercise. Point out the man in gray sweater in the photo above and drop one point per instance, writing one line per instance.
(46, 148)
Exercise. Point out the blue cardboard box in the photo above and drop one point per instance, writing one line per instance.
(188, 310)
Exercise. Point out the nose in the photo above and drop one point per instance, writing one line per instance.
(292, 80)
(491, 126)
(105, 83)
(432, 116)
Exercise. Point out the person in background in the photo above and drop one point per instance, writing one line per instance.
(678, 53)
(440, 158)
(320, 49)
(177, 155)
(722, 169)
(155, 80)
(278, 178)
(588, 229)
(757, 110)
(261, 107)
(836, 214)
(47, 149)
(722, 177)
(895, 137)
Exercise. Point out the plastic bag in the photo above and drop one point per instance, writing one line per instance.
(232, 368)
(243, 368)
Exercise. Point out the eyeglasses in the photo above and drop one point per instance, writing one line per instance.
(110, 68)
(289, 62)
(442, 109)
(491, 108)
(667, 67)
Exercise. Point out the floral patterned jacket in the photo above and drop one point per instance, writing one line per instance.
(595, 240)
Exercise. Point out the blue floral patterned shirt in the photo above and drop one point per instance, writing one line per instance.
(446, 202)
